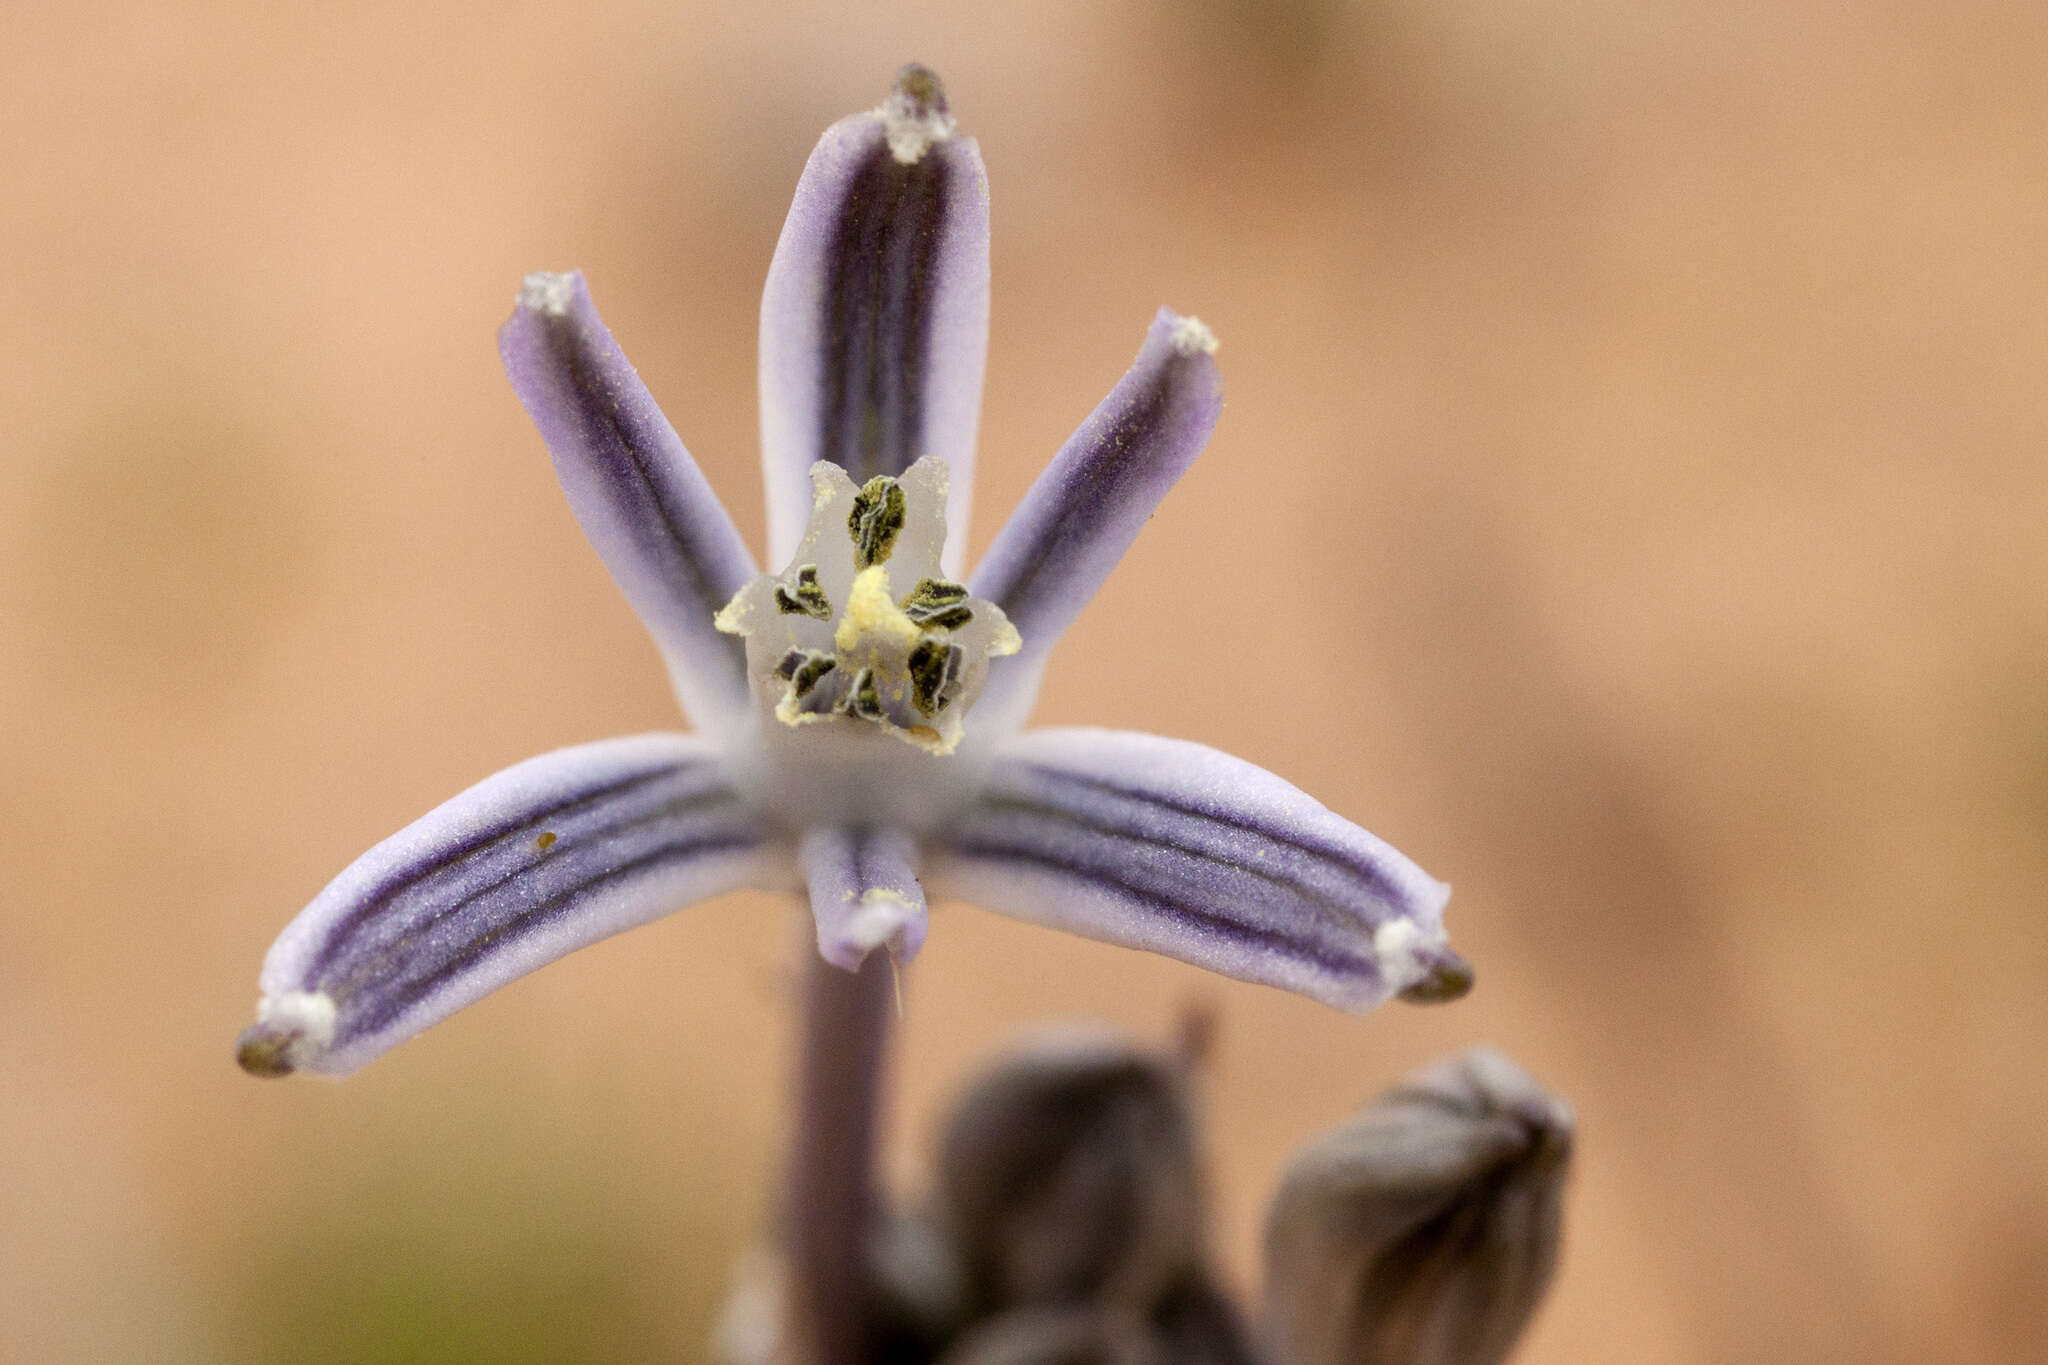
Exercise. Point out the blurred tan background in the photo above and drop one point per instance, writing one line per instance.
(1630, 501)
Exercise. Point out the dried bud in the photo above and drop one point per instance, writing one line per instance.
(1067, 1174)
(1059, 1336)
(1424, 1231)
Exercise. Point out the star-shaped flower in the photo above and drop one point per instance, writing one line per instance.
(858, 712)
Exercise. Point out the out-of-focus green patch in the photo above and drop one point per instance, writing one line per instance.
(517, 1238)
(382, 1304)
(456, 1278)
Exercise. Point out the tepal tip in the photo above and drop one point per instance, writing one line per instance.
(915, 116)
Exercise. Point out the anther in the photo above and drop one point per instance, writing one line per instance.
(876, 521)
(862, 698)
(834, 636)
(803, 668)
(934, 667)
(806, 599)
(936, 604)
(811, 671)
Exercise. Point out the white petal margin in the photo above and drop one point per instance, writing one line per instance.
(523, 868)
(874, 321)
(1179, 849)
(864, 894)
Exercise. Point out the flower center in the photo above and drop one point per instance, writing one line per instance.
(862, 628)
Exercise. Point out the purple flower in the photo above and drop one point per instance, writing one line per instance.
(858, 711)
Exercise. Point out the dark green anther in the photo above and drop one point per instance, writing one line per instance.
(878, 511)
(862, 699)
(936, 604)
(803, 668)
(934, 665)
(814, 667)
(806, 599)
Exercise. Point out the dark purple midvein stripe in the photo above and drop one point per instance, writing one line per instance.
(348, 977)
(1331, 960)
(401, 879)
(1292, 884)
(872, 850)
(1107, 470)
(878, 297)
(518, 926)
(868, 860)
(598, 405)
(1348, 858)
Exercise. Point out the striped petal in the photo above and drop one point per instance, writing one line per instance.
(864, 894)
(1169, 846)
(874, 323)
(1093, 499)
(527, 866)
(637, 493)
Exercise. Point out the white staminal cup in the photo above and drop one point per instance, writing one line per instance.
(862, 629)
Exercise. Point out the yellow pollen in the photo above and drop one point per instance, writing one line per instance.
(872, 619)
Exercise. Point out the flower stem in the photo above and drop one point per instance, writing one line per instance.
(831, 1178)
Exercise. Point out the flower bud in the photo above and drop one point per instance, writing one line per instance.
(1067, 1175)
(1424, 1231)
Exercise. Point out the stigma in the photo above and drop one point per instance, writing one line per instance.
(862, 629)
